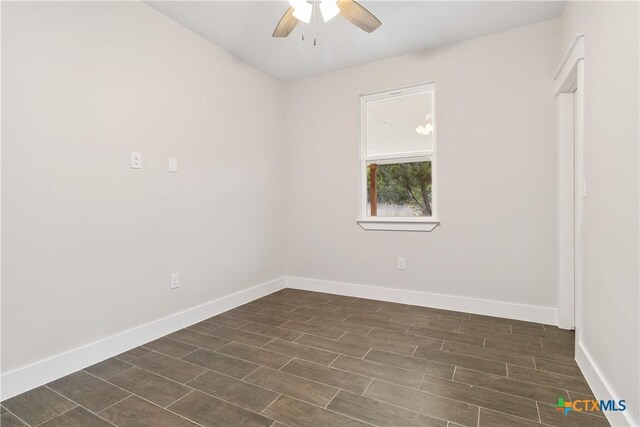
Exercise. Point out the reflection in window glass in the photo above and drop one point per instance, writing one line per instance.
(400, 124)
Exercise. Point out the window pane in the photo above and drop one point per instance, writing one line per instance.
(402, 189)
(400, 124)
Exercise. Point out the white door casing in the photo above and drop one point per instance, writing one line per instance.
(569, 84)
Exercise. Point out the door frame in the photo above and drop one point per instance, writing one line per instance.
(569, 93)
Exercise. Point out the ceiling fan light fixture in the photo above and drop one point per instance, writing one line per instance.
(329, 9)
(302, 10)
(425, 130)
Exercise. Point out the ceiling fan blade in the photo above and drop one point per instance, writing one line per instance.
(286, 24)
(358, 15)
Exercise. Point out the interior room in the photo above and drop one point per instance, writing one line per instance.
(320, 213)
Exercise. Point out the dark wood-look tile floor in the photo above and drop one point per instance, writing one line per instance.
(300, 358)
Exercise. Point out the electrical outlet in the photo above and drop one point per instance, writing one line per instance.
(401, 263)
(175, 280)
(136, 160)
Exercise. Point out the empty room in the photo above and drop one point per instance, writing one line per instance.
(320, 213)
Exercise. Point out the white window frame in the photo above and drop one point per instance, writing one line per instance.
(397, 223)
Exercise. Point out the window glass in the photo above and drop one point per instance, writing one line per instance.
(400, 124)
(399, 189)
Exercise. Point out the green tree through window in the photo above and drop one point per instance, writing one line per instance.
(404, 184)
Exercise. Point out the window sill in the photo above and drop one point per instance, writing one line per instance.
(398, 224)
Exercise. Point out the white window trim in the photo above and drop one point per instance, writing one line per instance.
(397, 223)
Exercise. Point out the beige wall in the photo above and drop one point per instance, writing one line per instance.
(611, 139)
(497, 173)
(88, 243)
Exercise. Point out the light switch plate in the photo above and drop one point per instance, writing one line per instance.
(175, 280)
(173, 164)
(136, 160)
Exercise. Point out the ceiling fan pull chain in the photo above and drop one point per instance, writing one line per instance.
(315, 13)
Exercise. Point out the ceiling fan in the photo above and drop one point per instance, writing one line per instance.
(301, 10)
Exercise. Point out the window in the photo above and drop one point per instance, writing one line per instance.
(398, 160)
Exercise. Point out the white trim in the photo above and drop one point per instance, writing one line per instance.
(44, 371)
(568, 79)
(566, 268)
(565, 75)
(395, 158)
(579, 195)
(602, 388)
(399, 224)
(532, 313)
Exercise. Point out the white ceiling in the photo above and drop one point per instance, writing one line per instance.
(244, 28)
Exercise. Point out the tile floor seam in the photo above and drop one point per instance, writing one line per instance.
(121, 372)
(365, 355)
(78, 405)
(334, 396)
(262, 346)
(49, 419)
(367, 387)
(226, 399)
(184, 355)
(287, 395)
(331, 410)
(242, 379)
(166, 378)
(267, 407)
(415, 348)
(310, 347)
(173, 412)
(515, 416)
(113, 404)
(258, 385)
(336, 358)
(179, 415)
(198, 376)
(380, 349)
(422, 380)
(319, 382)
(402, 407)
(115, 385)
(175, 358)
(501, 392)
(26, 423)
(430, 394)
(320, 326)
(470, 357)
(243, 360)
(236, 329)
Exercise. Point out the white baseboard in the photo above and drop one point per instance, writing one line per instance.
(28, 377)
(602, 388)
(532, 313)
